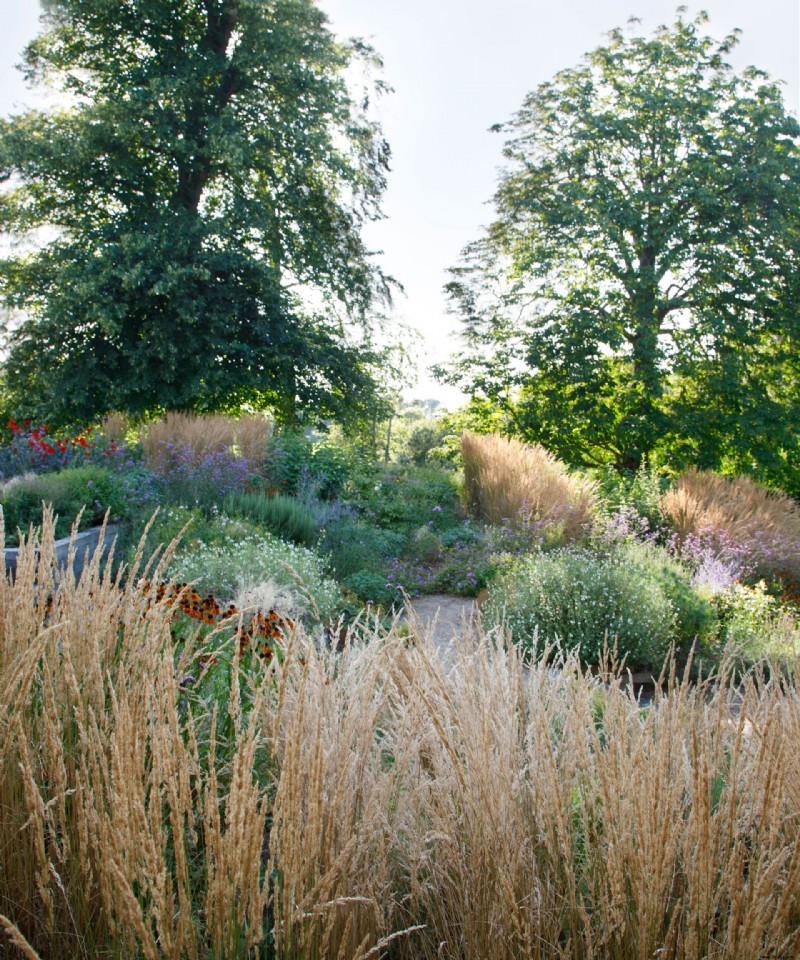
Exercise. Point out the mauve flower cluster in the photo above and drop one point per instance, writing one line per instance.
(626, 525)
(196, 479)
(717, 560)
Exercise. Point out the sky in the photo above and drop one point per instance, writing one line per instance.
(457, 67)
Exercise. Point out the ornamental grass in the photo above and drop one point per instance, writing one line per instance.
(507, 480)
(375, 802)
(203, 434)
(764, 524)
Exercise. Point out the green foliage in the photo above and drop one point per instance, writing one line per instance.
(754, 626)
(285, 517)
(91, 489)
(298, 464)
(207, 163)
(638, 291)
(695, 614)
(583, 600)
(352, 546)
(407, 498)
(461, 536)
(638, 490)
(370, 586)
(425, 545)
(258, 569)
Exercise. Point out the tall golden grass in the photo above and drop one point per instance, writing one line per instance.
(376, 802)
(504, 476)
(766, 522)
(247, 435)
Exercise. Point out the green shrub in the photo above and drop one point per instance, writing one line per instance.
(696, 616)
(299, 465)
(260, 570)
(408, 498)
(370, 586)
(91, 489)
(641, 491)
(582, 600)
(755, 626)
(352, 546)
(425, 545)
(286, 517)
(461, 536)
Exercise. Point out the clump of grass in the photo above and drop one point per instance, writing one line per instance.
(286, 517)
(377, 802)
(764, 522)
(506, 480)
(248, 436)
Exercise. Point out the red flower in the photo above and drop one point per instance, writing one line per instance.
(27, 423)
(13, 426)
(82, 442)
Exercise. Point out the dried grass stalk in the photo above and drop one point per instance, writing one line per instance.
(505, 478)
(766, 522)
(247, 435)
(377, 801)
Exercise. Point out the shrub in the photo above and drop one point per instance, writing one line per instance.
(581, 600)
(764, 522)
(406, 498)
(91, 489)
(425, 545)
(755, 626)
(461, 536)
(311, 469)
(370, 586)
(695, 614)
(352, 546)
(636, 493)
(505, 479)
(286, 517)
(238, 566)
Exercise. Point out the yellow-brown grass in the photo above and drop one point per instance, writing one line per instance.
(247, 435)
(765, 522)
(116, 427)
(377, 803)
(504, 477)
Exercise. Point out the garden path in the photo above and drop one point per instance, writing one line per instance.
(444, 617)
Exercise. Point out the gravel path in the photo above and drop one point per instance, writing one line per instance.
(444, 617)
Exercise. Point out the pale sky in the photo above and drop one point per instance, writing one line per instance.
(457, 67)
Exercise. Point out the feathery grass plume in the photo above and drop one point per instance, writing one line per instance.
(764, 522)
(507, 480)
(247, 435)
(116, 427)
(380, 800)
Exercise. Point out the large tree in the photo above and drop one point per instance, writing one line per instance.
(188, 214)
(637, 291)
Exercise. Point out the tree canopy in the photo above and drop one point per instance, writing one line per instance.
(187, 218)
(638, 289)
